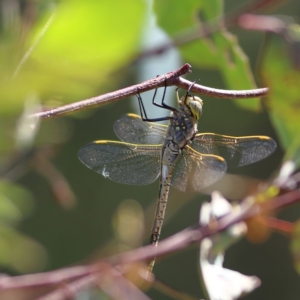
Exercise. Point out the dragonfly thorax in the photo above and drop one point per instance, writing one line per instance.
(182, 128)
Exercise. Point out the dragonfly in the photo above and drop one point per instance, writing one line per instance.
(176, 154)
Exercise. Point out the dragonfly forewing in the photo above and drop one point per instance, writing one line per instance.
(187, 160)
(131, 128)
(123, 162)
(195, 171)
(237, 151)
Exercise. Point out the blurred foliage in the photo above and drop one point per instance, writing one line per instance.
(51, 53)
(18, 251)
(64, 49)
(219, 51)
(295, 245)
(58, 52)
(280, 64)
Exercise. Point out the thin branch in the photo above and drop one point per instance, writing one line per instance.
(208, 28)
(262, 23)
(171, 78)
(185, 237)
(108, 281)
(69, 290)
(218, 93)
(159, 81)
(42, 279)
(172, 244)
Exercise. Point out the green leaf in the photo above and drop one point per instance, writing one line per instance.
(72, 50)
(21, 201)
(218, 51)
(280, 73)
(9, 212)
(19, 252)
(293, 153)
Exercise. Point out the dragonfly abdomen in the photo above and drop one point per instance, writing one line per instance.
(164, 188)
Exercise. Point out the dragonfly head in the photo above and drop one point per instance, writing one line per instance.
(194, 104)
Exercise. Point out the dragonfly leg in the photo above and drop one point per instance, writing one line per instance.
(163, 105)
(143, 110)
(187, 93)
(141, 106)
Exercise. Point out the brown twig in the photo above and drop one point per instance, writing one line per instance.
(171, 78)
(174, 243)
(108, 281)
(171, 244)
(69, 291)
(218, 93)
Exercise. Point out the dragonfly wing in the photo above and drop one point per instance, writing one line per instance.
(132, 129)
(181, 172)
(123, 162)
(237, 151)
(197, 170)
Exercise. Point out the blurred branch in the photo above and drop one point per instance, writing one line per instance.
(108, 283)
(172, 244)
(262, 23)
(281, 26)
(240, 17)
(58, 183)
(159, 81)
(208, 28)
(69, 291)
(171, 78)
(39, 159)
(279, 225)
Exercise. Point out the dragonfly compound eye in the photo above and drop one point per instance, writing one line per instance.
(195, 104)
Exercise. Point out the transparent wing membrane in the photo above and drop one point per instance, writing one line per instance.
(148, 148)
(123, 162)
(196, 171)
(237, 151)
(132, 129)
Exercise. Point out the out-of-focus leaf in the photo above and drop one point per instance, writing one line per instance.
(293, 152)
(9, 212)
(19, 252)
(219, 51)
(280, 72)
(19, 197)
(128, 223)
(74, 53)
